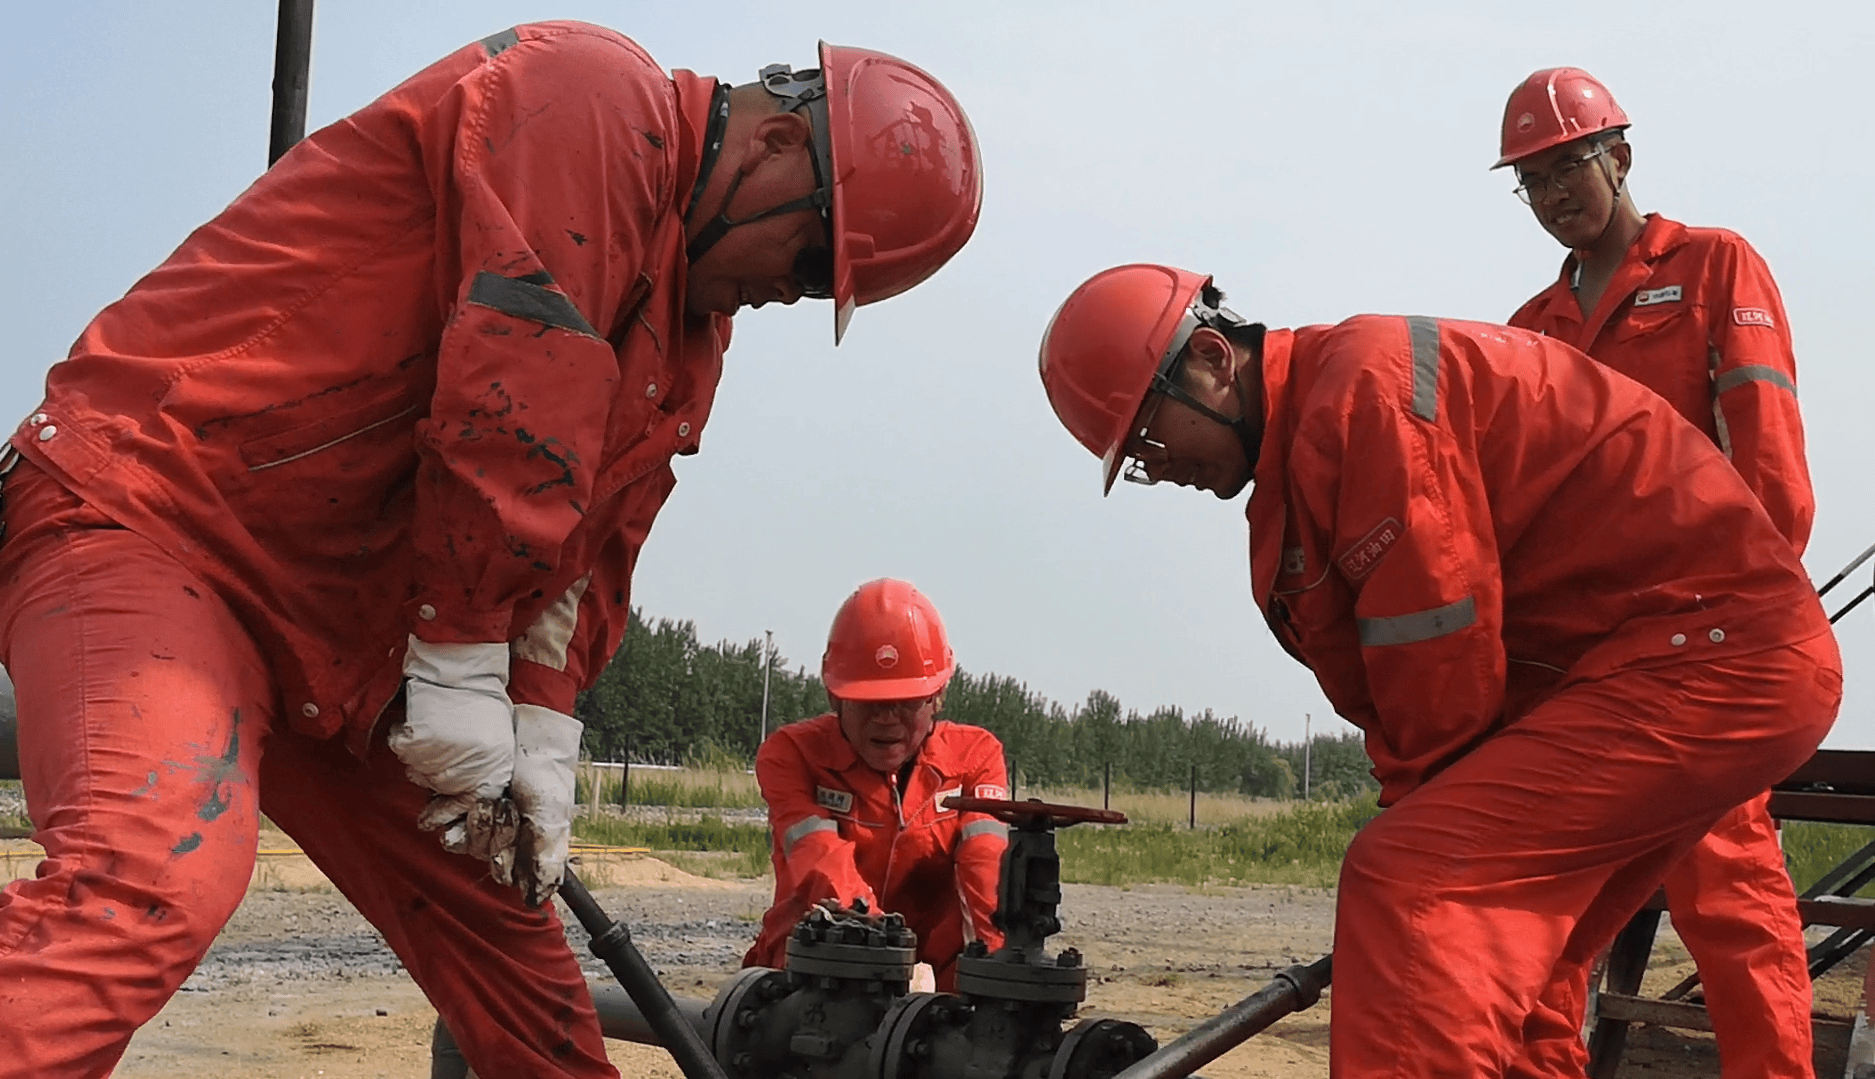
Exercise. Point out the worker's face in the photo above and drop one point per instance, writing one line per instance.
(886, 734)
(1181, 445)
(764, 262)
(1574, 189)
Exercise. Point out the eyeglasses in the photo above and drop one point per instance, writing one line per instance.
(813, 272)
(1535, 186)
(904, 710)
(1135, 468)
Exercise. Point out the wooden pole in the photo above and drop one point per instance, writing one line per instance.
(1106, 787)
(1194, 795)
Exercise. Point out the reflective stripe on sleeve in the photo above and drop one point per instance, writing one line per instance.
(983, 827)
(1418, 626)
(532, 300)
(496, 44)
(1753, 372)
(1425, 333)
(804, 828)
(546, 641)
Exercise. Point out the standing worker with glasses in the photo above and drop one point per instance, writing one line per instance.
(1692, 314)
(856, 796)
(332, 516)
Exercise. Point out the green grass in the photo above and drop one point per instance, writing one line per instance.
(1811, 849)
(688, 788)
(748, 843)
(1300, 845)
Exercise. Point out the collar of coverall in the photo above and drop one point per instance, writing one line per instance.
(1659, 237)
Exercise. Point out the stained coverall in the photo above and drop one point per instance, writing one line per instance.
(1693, 314)
(844, 831)
(426, 376)
(1571, 634)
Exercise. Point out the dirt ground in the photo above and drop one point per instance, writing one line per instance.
(299, 985)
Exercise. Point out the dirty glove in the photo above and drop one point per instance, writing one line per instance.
(457, 739)
(546, 750)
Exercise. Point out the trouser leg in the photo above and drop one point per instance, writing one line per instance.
(1732, 904)
(500, 975)
(142, 709)
(1517, 865)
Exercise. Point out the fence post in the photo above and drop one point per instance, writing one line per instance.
(593, 770)
(1106, 787)
(625, 777)
(1194, 795)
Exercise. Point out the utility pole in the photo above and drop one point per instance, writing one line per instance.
(1308, 746)
(768, 661)
(292, 66)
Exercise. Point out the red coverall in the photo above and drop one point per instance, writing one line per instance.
(844, 831)
(426, 376)
(1572, 636)
(1693, 315)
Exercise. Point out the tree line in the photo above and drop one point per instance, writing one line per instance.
(667, 698)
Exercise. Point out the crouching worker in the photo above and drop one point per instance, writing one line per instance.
(1572, 635)
(855, 796)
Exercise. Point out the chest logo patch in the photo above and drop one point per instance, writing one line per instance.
(1294, 561)
(992, 791)
(938, 801)
(838, 801)
(1648, 297)
(1753, 316)
(1359, 560)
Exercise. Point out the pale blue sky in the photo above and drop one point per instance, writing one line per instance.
(1319, 159)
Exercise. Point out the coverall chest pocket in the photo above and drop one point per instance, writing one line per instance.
(325, 475)
(1663, 347)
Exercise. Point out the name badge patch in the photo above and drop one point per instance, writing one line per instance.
(954, 792)
(1648, 297)
(992, 791)
(1753, 316)
(838, 801)
(1366, 553)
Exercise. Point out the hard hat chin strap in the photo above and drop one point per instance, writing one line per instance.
(796, 91)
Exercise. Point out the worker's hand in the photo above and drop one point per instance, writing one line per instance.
(457, 739)
(546, 750)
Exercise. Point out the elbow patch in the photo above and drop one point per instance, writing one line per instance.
(528, 298)
(1418, 625)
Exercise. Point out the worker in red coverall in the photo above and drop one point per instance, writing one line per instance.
(1571, 633)
(1692, 314)
(856, 796)
(332, 515)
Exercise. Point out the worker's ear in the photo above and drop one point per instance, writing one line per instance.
(780, 133)
(1623, 155)
(833, 703)
(937, 700)
(1210, 361)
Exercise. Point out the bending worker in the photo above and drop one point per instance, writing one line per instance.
(1692, 314)
(1571, 634)
(855, 796)
(332, 515)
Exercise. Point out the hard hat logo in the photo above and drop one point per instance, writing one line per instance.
(887, 656)
(1526, 121)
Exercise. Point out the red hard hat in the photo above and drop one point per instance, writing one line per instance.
(1554, 106)
(1111, 336)
(887, 644)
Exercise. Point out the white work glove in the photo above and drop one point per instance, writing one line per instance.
(457, 739)
(546, 750)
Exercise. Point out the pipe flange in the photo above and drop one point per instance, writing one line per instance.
(898, 1049)
(751, 990)
(1101, 1049)
(1004, 980)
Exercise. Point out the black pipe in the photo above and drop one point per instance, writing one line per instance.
(292, 72)
(1293, 990)
(613, 945)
